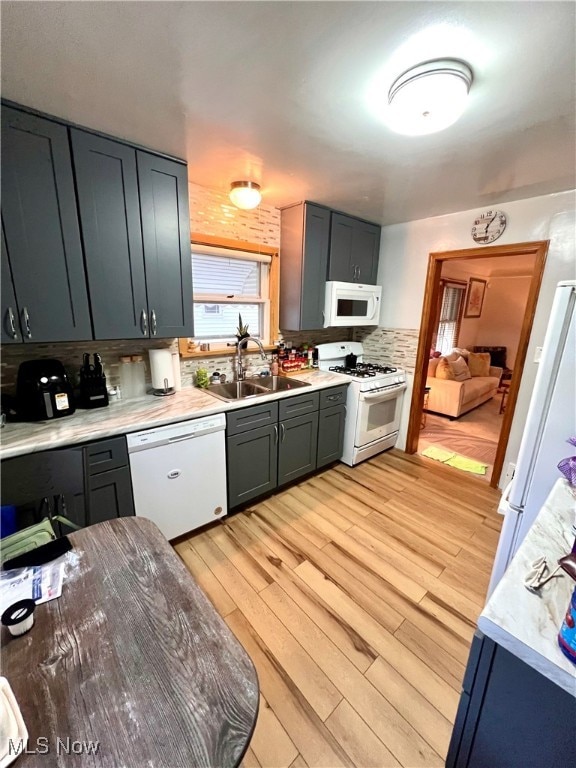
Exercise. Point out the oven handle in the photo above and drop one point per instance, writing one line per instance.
(383, 394)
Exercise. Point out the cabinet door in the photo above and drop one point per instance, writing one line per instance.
(41, 227)
(297, 447)
(305, 236)
(252, 464)
(109, 204)
(366, 252)
(330, 435)
(166, 234)
(10, 323)
(315, 266)
(109, 496)
(340, 266)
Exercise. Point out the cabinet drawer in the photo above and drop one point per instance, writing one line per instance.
(297, 406)
(251, 418)
(106, 454)
(333, 396)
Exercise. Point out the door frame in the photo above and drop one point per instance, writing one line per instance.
(538, 249)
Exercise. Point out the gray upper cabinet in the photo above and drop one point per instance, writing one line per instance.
(165, 218)
(354, 250)
(109, 204)
(10, 325)
(40, 222)
(304, 242)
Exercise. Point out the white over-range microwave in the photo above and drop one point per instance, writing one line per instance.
(351, 304)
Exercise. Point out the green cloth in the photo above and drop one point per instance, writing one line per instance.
(452, 459)
(439, 454)
(468, 465)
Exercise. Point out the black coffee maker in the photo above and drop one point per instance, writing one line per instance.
(43, 391)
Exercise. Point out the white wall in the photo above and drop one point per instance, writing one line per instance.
(503, 313)
(404, 260)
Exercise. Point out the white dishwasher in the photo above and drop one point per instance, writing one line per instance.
(179, 474)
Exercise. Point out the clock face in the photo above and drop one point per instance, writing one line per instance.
(488, 226)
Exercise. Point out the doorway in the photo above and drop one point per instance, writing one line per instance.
(450, 301)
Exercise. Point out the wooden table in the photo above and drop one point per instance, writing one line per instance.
(134, 656)
(504, 389)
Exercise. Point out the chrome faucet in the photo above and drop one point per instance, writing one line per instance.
(243, 343)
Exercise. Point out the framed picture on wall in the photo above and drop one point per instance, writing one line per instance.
(475, 297)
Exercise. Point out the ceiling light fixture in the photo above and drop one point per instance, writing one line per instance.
(245, 194)
(429, 97)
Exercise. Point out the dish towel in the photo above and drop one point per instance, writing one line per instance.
(452, 459)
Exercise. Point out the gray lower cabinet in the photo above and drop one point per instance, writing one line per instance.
(252, 464)
(109, 205)
(275, 443)
(87, 483)
(510, 716)
(297, 447)
(42, 235)
(330, 435)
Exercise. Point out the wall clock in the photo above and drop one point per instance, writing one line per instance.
(488, 226)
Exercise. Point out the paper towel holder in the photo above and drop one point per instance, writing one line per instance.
(165, 392)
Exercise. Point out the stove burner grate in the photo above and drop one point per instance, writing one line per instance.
(363, 370)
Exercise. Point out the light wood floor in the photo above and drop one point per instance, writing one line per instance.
(474, 435)
(356, 595)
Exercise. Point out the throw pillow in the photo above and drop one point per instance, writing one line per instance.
(443, 370)
(463, 352)
(479, 363)
(460, 370)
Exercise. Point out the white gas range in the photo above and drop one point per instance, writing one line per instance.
(373, 402)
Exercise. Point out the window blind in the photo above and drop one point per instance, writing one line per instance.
(450, 317)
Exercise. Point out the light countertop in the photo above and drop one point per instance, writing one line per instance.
(133, 415)
(527, 623)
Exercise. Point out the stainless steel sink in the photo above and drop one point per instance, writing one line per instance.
(278, 383)
(256, 387)
(237, 390)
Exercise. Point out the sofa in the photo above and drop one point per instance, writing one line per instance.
(452, 397)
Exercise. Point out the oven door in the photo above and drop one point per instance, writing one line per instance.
(379, 414)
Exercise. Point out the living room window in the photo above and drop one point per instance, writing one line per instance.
(450, 316)
(229, 283)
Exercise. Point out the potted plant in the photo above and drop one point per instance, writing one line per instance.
(242, 331)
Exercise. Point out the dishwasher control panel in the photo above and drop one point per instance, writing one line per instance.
(172, 433)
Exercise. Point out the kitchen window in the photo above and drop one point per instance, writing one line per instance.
(228, 283)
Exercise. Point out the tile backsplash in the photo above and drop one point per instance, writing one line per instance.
(70, 354)
(393, 346)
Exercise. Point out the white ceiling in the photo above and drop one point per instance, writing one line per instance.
(275, 92)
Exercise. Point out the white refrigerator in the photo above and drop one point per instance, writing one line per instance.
(550, 422)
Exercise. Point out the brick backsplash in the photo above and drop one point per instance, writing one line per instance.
(212, 213)
(393, 346)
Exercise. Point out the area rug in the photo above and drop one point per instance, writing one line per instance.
(455, 460)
